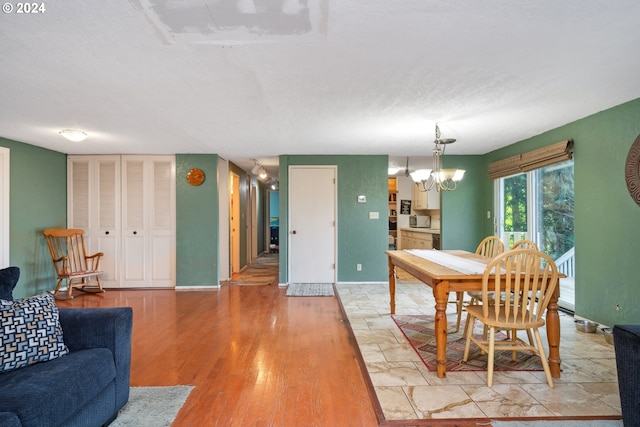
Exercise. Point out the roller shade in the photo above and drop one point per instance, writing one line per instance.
(525, 162)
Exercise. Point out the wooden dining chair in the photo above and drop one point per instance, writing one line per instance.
(489, 247)
(531, 278)
(524, 244)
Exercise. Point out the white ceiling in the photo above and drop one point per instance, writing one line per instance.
(253, 79)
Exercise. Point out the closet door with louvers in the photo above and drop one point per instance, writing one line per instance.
(148, 221)
(93, 204)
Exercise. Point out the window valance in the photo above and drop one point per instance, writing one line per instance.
(525, 162)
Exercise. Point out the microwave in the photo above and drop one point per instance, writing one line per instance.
(420, 221)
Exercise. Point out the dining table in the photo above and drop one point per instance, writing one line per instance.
(440, 270)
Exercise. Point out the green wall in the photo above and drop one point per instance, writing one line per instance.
(360, 239)
(462, 211)
(607, 220)
(38, 200)
(197, 260)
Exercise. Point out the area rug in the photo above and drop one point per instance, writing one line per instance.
(420, 332)
(152, 406)
(263, 271)
(310, 290)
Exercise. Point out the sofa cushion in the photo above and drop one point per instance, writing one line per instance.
(51, 393)
(30, 332)
(8, 279)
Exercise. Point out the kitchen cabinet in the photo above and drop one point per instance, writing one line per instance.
(415, 239)
(126, 206)
(423, 200)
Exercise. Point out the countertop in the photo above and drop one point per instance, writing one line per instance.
(421, 230)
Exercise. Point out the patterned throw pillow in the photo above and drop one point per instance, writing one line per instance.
(30, 332)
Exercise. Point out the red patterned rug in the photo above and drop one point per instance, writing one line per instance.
(419, 331)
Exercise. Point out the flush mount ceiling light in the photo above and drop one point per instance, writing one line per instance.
(443, 179)
(74, 135)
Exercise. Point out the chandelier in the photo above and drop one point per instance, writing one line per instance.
(442, 179)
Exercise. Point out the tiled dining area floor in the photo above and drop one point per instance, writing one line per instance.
(406, 390)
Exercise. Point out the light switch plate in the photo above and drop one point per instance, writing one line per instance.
(362, 199)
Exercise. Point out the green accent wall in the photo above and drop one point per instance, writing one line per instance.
(461, 211)
(607, 220)
(360, 240)
(38, 200)
(197, 259)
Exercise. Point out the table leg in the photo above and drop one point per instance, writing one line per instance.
(441, 294)
(392, 286)
(553, 334)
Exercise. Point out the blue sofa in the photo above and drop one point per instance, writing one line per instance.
(85, 387)
(626, 341)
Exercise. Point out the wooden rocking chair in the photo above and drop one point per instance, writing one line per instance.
(72, 263)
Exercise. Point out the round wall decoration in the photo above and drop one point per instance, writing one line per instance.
(195, 176)
(632, 171)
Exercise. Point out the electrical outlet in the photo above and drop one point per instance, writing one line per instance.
(358, 267)
(374, 215)
(488, 214)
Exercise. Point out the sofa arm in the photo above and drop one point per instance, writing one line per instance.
(9, 419)
(626, 339)
(111, 328)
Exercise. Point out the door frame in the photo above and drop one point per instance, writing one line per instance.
(5, 189)
(234, 223)
(291, 219)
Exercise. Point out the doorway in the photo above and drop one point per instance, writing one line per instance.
(234, 210)
(538, 205)
(312, 224)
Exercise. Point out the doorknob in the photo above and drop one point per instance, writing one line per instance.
(293, 232)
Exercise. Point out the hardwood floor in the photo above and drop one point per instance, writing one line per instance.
(255, 356)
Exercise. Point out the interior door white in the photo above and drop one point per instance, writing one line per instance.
(148, 237)
(94, 206)
(312, 224)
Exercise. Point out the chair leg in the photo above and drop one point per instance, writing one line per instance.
(492, 349)
(467, 333)
(543, 358)
(69, 289)
(459, 301)
(57, 289)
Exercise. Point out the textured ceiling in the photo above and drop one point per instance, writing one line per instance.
(253, 79)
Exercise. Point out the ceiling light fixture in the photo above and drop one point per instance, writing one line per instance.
(262, 174)
(256, 168)
(443, 179)
(74, 135)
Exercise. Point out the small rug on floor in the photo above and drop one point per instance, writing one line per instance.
(152, 406)
(263, 271)
(310, 290)
(420, 332)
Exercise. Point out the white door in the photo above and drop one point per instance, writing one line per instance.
(93, 204)
(4, 207)
(148, 238)
(312, 224)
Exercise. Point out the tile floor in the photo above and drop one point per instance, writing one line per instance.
(407, 390)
